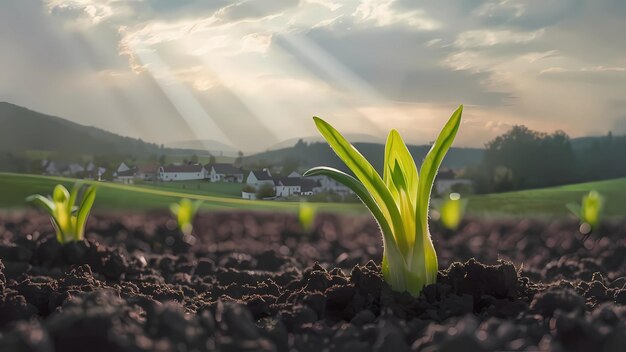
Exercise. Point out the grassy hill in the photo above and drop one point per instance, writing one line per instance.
(543, 203)
(25, 129)
(112, 197)
(318, 153)
(551, 201)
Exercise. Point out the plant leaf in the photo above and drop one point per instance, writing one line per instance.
(72, 200)
(428, 171)
(397, 154)
(50, 207)
(431, 164)
(83, 211)
(367, 176)
(60, 194)
(367, 199)
(42, 202)
(392, 257)
(62, 216)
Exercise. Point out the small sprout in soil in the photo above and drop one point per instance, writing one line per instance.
(68, 210)
(306, 215)
(452, 210)
(185, 211)
(589, 212)
(399, 200)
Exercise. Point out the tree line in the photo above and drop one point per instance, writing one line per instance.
(522, 159)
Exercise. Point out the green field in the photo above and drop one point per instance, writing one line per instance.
(547, 202)
(14, 188)
(205, 188)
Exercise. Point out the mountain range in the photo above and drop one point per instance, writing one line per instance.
(26, 130)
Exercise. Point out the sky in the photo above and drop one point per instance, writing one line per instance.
(252, 73)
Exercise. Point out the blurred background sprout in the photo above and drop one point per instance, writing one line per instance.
(306, 215)
(452, 210)
(185, 211)
(589, 211)
(68, 210)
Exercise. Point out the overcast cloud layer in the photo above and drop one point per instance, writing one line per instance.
(252, 73)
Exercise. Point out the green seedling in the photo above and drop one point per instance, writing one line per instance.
(68, 210)
(399, 201)
(589, 212)
(185, 211)
(306, 215)
(452, 210)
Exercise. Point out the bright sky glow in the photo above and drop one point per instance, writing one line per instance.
(251, 73)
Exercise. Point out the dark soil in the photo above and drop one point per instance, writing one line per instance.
(257, 282)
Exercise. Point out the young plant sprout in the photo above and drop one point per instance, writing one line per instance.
(306, 215)
(589, 212)
(185, 211)
(68, 210)
(398, 201)
(451, 211)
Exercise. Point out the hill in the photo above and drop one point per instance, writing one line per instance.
(550, 202)
(307, 155)
(27, 130)
(546, 203)
(353, 137)
(115, 197)
(212, 146)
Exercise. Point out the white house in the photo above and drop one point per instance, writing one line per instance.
(309, 187)
(73, 169)
(283, 187)
(95, 174)
(147, 172)
(49, 167)
(126, 177)
(329, 185)
(288, 186)
(294, 174)
(181, 172)
(123, 167)
(259, 178)
(223, 173)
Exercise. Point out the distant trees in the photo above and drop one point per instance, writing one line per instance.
(300, 144)
(522, 158)
(605, 158)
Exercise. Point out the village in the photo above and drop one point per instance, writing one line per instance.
(255, 184)
(270, 183)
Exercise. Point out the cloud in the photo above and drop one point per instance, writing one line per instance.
(254, 9)
(487, 38)
(329, 4)
(600, 75)
(382, 13)
(415, 76)
(270, 64)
